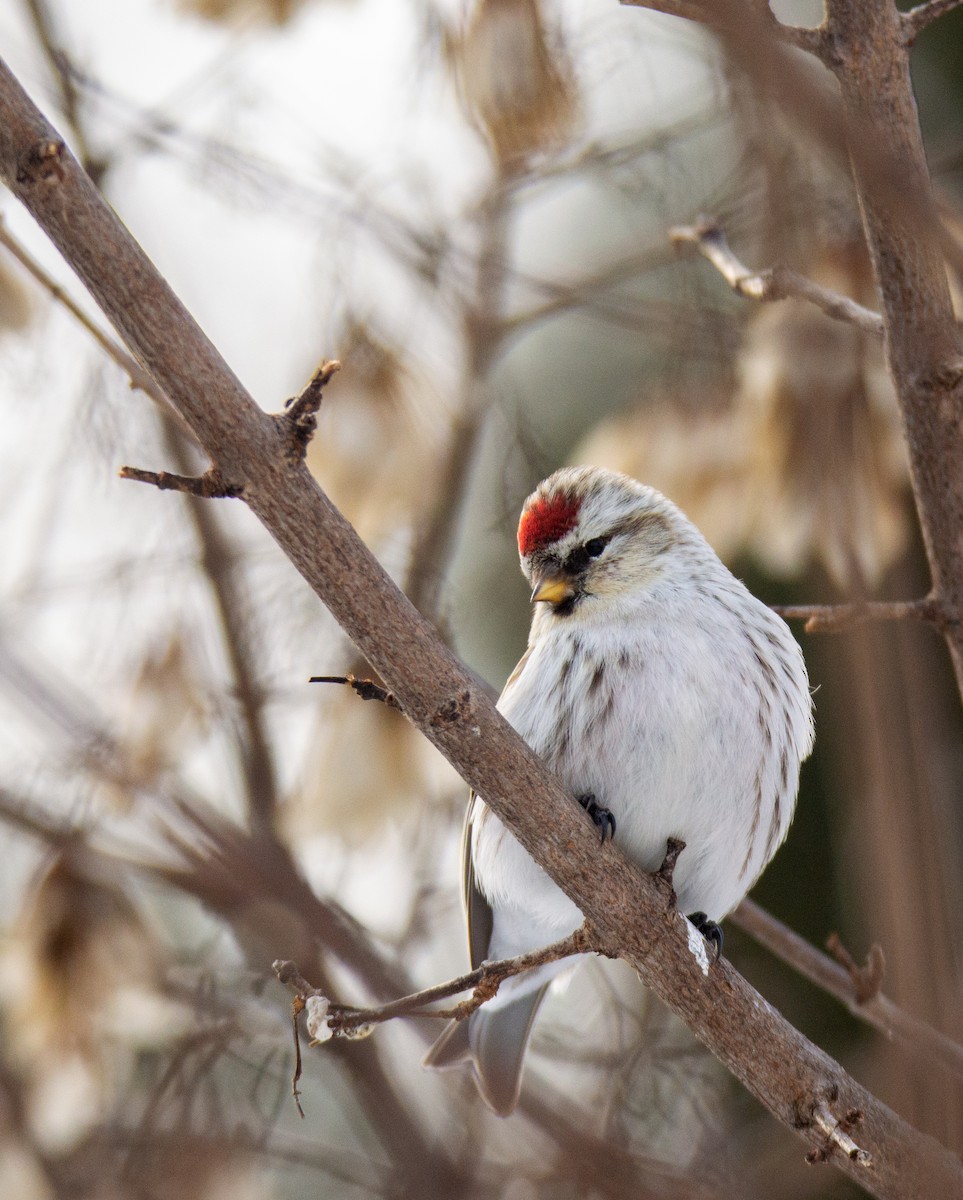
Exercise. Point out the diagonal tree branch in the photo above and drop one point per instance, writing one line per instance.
(797, 1081)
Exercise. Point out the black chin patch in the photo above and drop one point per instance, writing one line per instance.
(567, 607)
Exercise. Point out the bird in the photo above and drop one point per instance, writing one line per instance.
(671, 702)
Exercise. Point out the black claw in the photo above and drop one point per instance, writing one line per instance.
(602, 818)
(709, 930)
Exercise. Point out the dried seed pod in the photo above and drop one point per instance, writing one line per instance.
(369, 761)
(381, 432)
(276, 12)
(82, 986)
(16, 309)
(827, 471)
(166, 711)
(516, 82)
(696, 455)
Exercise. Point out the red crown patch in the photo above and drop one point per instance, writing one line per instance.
(548, 519)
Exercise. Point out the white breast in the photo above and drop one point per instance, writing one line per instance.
(685, 721)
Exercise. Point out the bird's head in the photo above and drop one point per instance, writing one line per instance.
(590, 534)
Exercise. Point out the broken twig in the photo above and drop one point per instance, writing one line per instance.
(367, 689)
(211, 485)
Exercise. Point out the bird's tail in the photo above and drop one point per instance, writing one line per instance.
(494, 1040)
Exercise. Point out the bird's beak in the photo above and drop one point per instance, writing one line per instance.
(553, 587)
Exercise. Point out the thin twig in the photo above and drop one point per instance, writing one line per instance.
(773, 283)
(211, 485)
(922, 15)
(367, 689)
(139, 378)
(297, 1007)
(834, 618)
(484, 983)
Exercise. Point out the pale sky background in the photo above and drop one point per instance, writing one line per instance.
(343, 83)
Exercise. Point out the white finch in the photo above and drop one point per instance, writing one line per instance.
(672, 703)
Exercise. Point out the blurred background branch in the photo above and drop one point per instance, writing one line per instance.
(773, 283)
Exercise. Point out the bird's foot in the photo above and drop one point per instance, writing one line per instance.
(602, 818)
(709, 930)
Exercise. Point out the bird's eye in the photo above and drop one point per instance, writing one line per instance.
(595, 547)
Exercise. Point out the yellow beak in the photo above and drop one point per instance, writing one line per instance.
(553, 588)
